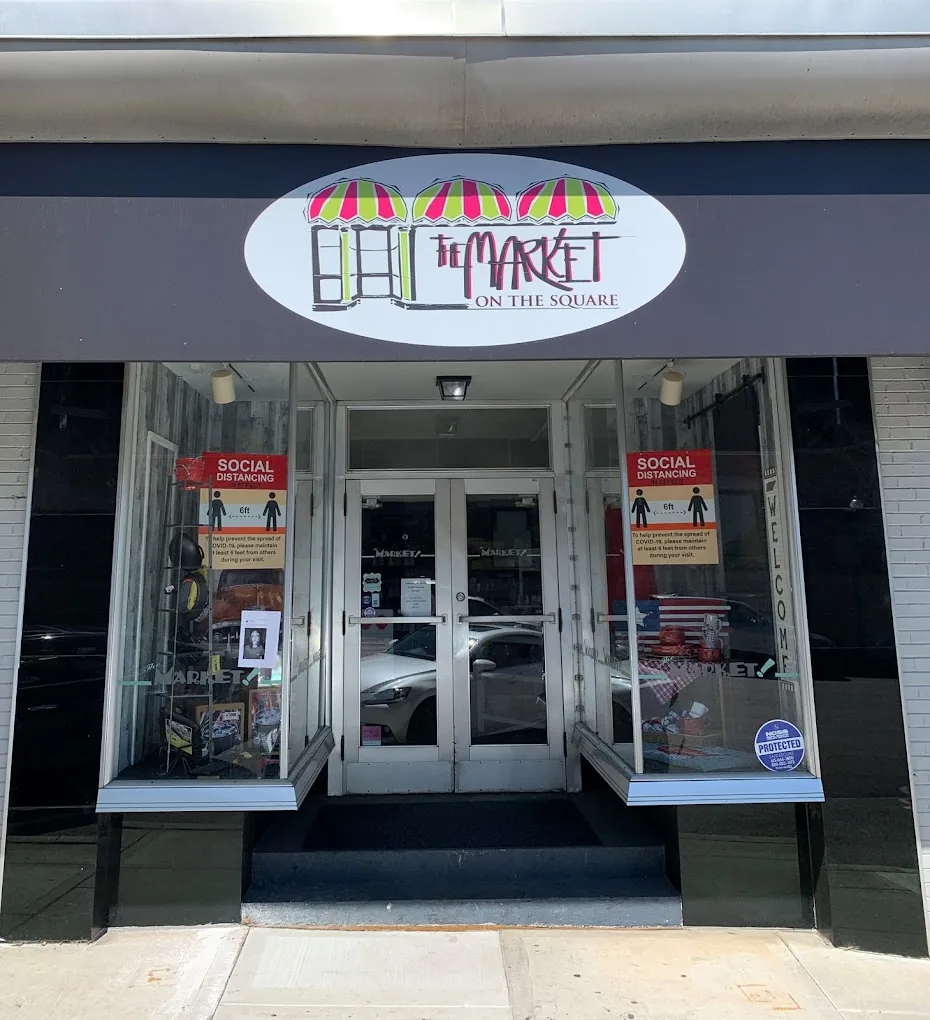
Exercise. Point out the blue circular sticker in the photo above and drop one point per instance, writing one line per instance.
(779, 745)
(369, 611)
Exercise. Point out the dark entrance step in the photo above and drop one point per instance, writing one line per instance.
(506, 860)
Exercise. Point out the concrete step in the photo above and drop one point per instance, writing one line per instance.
(509, 872)
(647, 903)
(580, 859)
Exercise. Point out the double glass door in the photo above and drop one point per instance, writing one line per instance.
(452, 658)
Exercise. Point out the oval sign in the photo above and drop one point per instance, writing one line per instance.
(465, 249)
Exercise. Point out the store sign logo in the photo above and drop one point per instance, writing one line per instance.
(487, 550)
(398, 554)
(465, 250)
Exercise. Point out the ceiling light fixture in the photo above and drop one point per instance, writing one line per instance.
(453, 387)
(223, 386)
(670, 389)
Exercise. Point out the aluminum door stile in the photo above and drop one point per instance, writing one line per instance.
(352, 641)
(336, 784)
(445, 632)
(565, 570)
(549, 548)
(461, 667)
(573, 569)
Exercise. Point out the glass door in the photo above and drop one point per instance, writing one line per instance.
(507, 650)
(452, 649)
(398, 638)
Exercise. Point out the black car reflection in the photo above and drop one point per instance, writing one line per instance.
(58, 726)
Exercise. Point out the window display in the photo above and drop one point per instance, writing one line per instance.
(711, 683)
(200, 690)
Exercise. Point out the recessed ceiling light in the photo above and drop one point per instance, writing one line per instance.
(453, 387)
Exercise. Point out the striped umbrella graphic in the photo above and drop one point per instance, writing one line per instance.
(357, 205)
(461, 200)
(567, 198)
(356, 201)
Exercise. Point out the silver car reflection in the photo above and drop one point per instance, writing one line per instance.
(507, 681)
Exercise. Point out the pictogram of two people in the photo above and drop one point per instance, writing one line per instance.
(640, 509)
(271, 513)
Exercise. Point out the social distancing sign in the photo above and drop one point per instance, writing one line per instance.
(242, 511)
(673, 513)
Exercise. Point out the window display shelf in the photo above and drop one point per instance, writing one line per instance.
(647, 789)
(140, 795)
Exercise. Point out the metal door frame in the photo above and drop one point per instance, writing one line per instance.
(453, 764)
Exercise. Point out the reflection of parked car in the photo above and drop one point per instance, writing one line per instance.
(507, 666)
(59, 712)
(481, 607)
(752, 634)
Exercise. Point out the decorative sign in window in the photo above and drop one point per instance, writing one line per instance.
(672, 507)
(242, 511)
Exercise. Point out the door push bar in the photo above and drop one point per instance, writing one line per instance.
(360, 620)
(542, 618)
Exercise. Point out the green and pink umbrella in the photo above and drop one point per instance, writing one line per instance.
(461, 200)
(356, 201)
(567, 198)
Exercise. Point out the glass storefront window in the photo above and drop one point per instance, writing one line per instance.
(698, 670)
(200, 691)
(461, 437)
(601, 437)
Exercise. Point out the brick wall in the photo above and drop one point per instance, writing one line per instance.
(901, 395)
(18, 407)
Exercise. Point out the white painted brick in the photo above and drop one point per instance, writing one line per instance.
(901, 401)
(910, 555)
(17, 437)
(906, 584)
(902, 545)
(911, 570)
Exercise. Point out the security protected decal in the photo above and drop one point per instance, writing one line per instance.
(779, 745)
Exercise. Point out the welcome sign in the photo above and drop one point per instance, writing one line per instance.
(465, 249)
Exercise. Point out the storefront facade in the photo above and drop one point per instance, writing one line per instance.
(504, 472)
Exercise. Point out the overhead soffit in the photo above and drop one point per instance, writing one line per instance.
(465, 93)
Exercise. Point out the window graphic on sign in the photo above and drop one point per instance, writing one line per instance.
(244, 508)
(672, 509)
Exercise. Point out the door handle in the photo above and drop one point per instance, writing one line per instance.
(357, 621)
(491, 620)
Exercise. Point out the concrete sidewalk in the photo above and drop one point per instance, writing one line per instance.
(541, 974)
